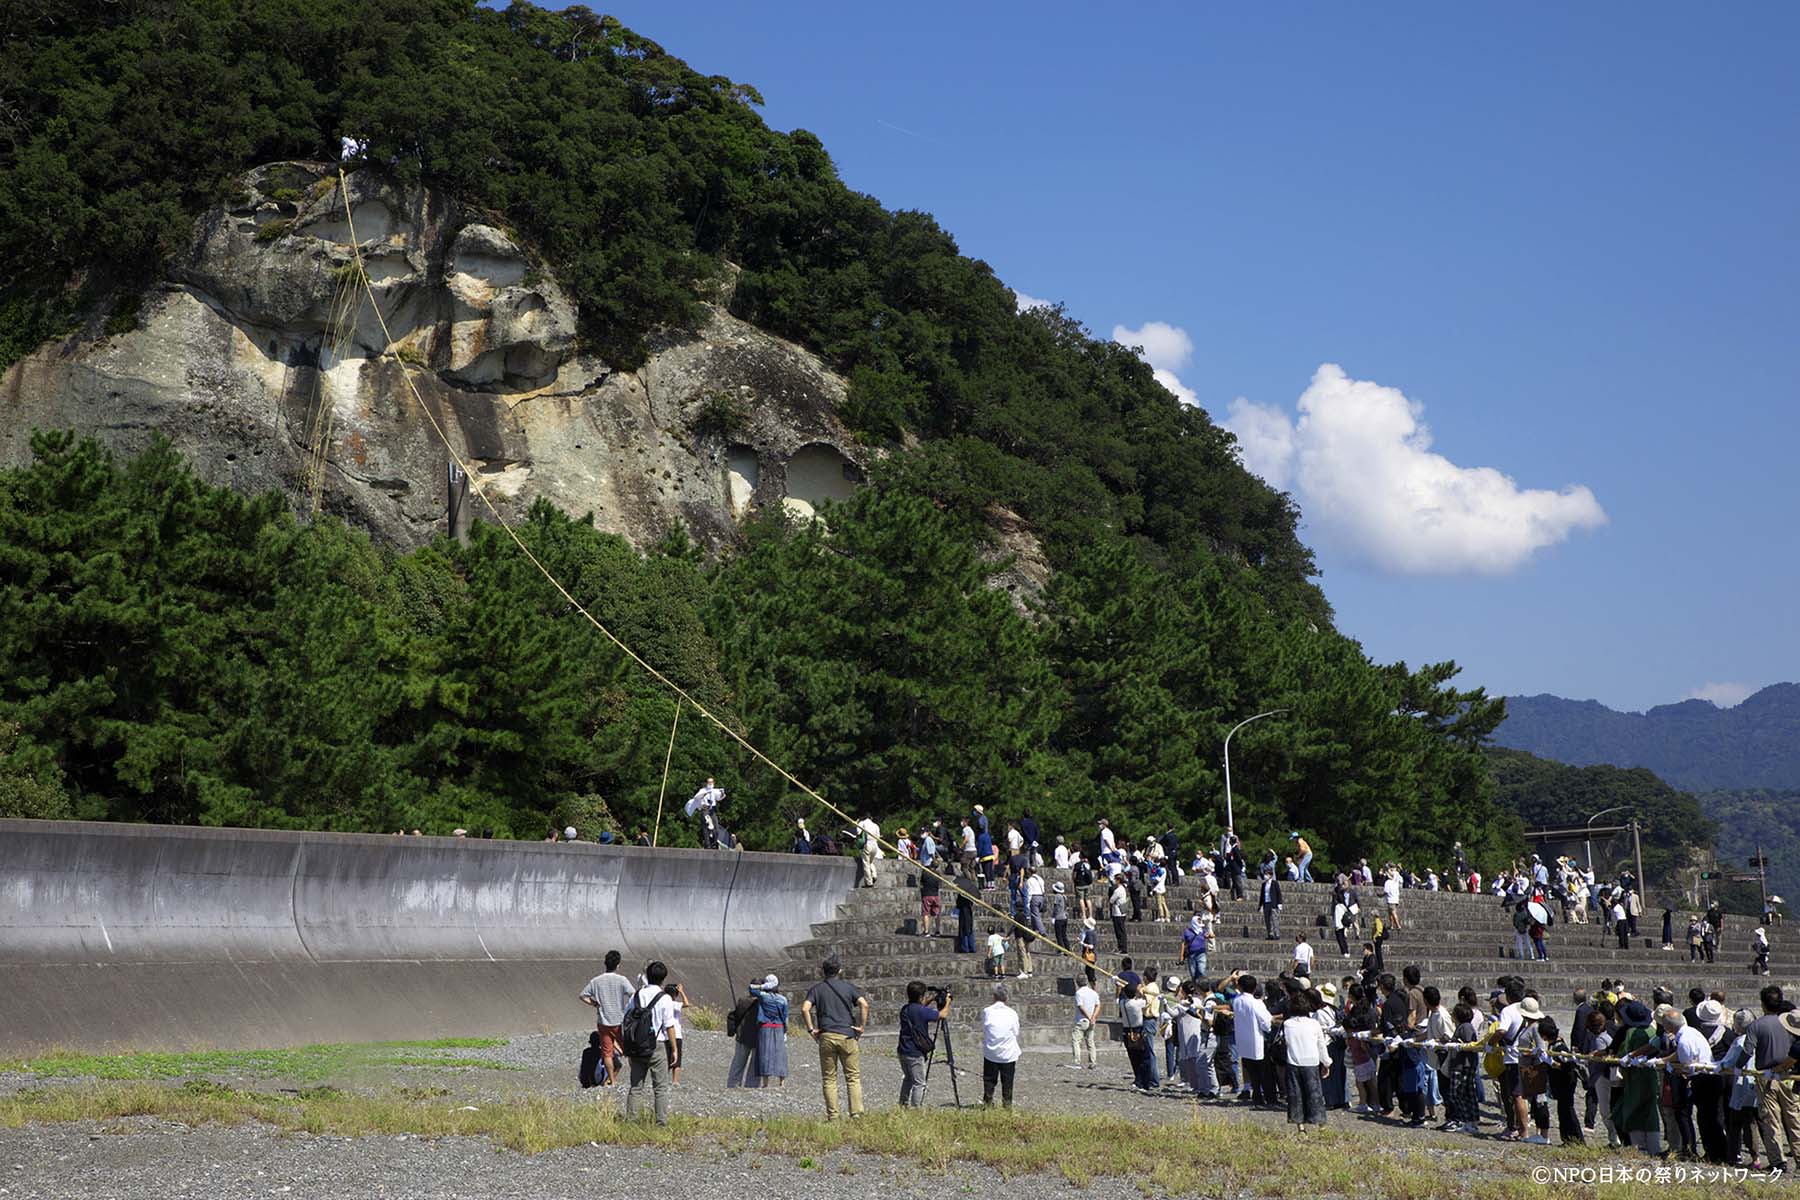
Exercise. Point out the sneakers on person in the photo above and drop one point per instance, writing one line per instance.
(1450, 1127)
(1537, 1139)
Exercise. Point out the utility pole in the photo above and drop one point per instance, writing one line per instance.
(1637, 853)
(1762, 881)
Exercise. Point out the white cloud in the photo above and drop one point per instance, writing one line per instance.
(1725, 695)
(1359, 460)
(1167, 348)
(1027, 303)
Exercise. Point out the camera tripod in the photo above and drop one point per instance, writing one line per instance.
(943, 1038)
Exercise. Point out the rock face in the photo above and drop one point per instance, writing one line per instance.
(261, 358)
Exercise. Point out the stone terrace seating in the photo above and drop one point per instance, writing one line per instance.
(1454, 938)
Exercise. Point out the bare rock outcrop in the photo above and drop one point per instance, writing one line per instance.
(261, 357)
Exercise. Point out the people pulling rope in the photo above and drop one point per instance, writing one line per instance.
(389, 351)
(1390, 1044)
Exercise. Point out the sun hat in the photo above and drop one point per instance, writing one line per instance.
(1174, 983)
(1087, 922)
(1790, 1021)
(1057, 887)
(770, 983)
(1530, 1009)
(1329, 991)
(569, 834)
(1635, 1014)
(1710, 1012)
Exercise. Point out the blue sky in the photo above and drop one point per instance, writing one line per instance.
(1565, 240)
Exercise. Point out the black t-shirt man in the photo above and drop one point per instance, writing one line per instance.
(928, 883)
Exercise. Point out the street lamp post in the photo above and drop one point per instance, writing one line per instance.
(1229, 823)
(1590, 836)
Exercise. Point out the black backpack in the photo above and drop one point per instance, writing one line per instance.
(593, 1071)
(1084, 875)
(637, 1035)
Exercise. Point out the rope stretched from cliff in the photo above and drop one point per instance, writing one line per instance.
(437, 427)
(663, 791)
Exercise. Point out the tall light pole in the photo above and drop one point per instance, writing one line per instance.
(1590, 836)
(1229, 823)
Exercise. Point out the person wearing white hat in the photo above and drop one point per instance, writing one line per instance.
(1759, 948)
(1059, 913)
(569, 834)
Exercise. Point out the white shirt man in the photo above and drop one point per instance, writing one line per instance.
(868, 826)
(1303, 959)
(1000, 1033)
(1061, 857)
(1391, 889)
(1250, 1024)
(1107, 842)
(1118, 903)
(706, 799)
(1691, 1048)
(1015, 841)
(1511, 1022)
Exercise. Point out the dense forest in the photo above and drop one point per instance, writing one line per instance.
(172, 652)
(178, 652)
(1556, 795)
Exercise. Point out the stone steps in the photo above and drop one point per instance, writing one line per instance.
(1454, 938)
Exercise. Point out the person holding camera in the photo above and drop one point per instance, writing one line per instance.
(918, 1038)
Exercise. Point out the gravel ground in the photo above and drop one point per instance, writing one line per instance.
(150, 1160)
(143, 1157)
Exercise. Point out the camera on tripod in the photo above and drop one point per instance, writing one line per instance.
(940, 996)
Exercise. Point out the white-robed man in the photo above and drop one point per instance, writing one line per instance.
(704, 804)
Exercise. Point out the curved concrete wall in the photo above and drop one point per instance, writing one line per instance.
(152, 936)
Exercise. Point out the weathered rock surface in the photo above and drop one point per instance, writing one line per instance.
(261, 358)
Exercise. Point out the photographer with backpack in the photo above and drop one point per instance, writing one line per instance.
(643, 1036)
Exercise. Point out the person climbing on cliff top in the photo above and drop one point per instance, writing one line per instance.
(704, 804)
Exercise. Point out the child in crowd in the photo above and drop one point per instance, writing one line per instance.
(996, 949)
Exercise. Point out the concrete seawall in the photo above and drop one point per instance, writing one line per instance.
(157, 936)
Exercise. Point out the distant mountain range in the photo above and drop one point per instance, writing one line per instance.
(1693, 745)
(1742, 762)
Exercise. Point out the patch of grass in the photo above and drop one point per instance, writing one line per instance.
(300, 1063)
(703, 1018)
(270, 230)
(1210, 1153)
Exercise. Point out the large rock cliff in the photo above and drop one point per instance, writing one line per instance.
(260, 357)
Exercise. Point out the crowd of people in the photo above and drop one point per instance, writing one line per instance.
(1705, 1083)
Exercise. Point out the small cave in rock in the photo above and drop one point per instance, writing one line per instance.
(741, 476)
(817, 473)
(373, 220)
(492, 269)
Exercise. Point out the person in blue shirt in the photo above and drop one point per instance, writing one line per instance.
(771, 1032)
(918, 1037)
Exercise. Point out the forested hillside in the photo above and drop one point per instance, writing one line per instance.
(1766, 818)
(177, 652)
(1556, 795)
(1694, 744)
(169, 651)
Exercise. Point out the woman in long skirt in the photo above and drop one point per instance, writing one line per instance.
(1636, 1104)
(771, 1033)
